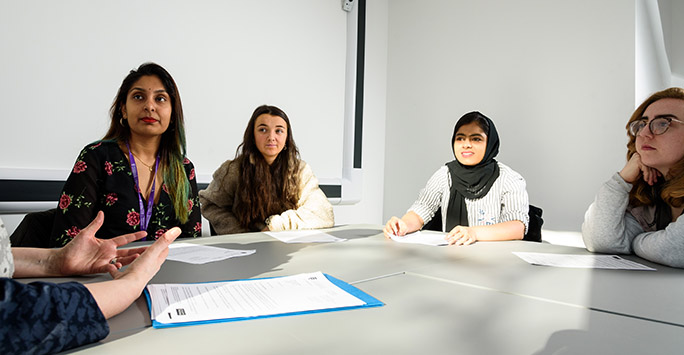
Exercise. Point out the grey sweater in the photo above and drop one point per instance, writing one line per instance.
(610, 228)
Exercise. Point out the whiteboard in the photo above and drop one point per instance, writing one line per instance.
(63, 62)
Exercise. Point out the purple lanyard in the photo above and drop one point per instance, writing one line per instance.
(145, 214)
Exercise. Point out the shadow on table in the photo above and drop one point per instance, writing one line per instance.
(358, 233)
(575, 341)
(637, 339)
(626, 316)
(268, 257)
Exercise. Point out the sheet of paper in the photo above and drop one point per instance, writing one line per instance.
(581, 261)
(202, 254)
(173, 303)
(304, 236)
(423, 237)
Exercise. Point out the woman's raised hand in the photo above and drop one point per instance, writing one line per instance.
(635, 168)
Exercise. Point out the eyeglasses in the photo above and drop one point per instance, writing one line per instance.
(658, 125)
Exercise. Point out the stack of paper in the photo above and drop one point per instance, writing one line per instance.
(304, 236)
(581, 261)
(202, 254)
(187, 304)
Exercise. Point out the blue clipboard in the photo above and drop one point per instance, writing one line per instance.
(369, 301)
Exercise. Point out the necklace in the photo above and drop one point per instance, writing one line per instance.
(150, 167)
(145, 214)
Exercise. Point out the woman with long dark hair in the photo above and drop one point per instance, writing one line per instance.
(479, 198)
(138, 173)
(639, 209)
(266, 186)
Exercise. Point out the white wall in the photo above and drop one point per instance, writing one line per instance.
(557, 78)
(678, 81)
(677, 30)
(671, 12)
(63, 61)
(652, 67)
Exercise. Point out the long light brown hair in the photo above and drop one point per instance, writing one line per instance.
(672, 190)
(172, 146)
(265, 190)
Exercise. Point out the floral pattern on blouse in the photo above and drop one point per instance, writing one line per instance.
(102, 180)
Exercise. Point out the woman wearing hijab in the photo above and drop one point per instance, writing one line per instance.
(480, 198)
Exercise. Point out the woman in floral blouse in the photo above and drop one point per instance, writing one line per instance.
(138, 173)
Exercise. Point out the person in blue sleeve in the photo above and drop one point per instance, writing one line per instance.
(44, 317)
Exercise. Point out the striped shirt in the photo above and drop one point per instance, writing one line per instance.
(506, 201)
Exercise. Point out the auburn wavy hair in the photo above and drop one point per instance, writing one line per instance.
(672, 190)
(265, 190)
(172, 146)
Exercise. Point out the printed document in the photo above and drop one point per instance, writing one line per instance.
(423, 237)
(175, 303)
(202, 254)
(581, 261)
(304, 236)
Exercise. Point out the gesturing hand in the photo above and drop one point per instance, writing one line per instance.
(147, 265)
(86, 254)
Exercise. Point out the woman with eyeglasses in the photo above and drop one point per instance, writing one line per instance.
(638, 210)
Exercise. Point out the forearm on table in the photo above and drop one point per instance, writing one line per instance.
(413, 221)
(663, 246)
(114, 296)
(314, 212)
(34, 262)
(313, 207)
(301, 218)
(510, 230)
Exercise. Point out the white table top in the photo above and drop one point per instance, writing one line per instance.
(477, 299)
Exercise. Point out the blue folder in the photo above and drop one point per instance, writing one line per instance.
(369, 301)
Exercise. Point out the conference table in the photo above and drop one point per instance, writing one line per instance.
(477, 299)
